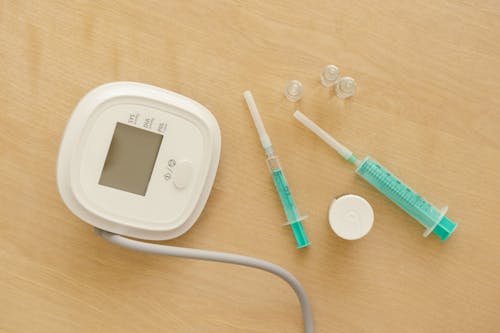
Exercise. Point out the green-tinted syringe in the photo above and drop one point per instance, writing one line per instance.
(433, 219)
(291, 211)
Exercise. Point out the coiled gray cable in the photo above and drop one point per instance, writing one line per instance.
(230, 258)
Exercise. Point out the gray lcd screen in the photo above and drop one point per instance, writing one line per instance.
(131, 158)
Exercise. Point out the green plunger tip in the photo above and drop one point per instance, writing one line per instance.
(300, 235)
(445, 228)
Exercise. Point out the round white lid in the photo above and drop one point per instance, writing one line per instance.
(350, 216)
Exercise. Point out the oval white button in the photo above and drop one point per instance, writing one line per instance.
(183, 173)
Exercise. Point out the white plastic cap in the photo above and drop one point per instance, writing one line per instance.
(346, 87)
(330, 75)
(351, 216)
(294, 91)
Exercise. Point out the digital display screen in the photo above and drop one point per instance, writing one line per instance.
(131, 158)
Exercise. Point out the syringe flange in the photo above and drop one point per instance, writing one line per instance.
(300, 219)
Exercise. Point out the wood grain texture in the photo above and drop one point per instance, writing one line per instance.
(427, 107)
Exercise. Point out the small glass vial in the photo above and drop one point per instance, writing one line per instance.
(330, 75)
(294, 91)
(346, 87)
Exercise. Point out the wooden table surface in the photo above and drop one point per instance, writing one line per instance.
(427, 107)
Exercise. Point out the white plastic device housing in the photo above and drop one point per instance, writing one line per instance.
(170, 206)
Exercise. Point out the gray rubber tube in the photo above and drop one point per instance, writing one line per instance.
(229, 258)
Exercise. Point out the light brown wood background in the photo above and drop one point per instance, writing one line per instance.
(427, 107)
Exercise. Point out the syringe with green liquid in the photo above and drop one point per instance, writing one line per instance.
(293, 217)
(432, 218)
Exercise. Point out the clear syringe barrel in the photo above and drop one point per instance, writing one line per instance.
(291, 211)
(432, 218)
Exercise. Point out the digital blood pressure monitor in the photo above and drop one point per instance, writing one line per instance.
(138, 160)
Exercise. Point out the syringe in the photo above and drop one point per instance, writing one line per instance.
(432, 218)
(291, 211)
